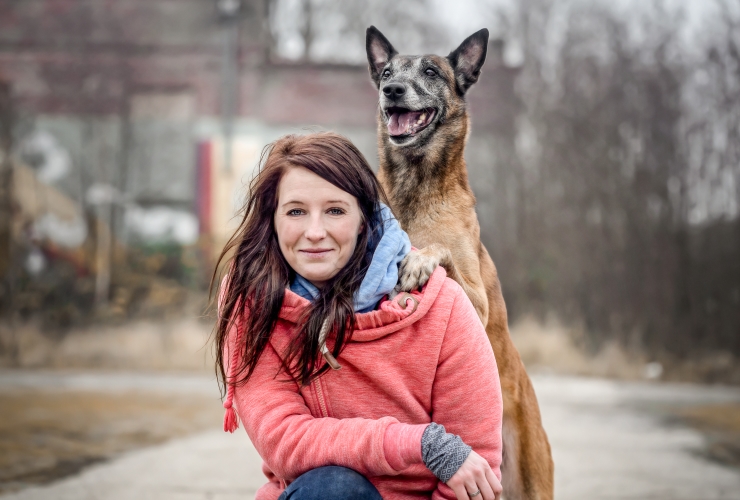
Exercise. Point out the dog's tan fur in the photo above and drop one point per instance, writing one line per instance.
(430, 194)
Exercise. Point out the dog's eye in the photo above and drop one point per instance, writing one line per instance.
(386, 73)
(430, 72)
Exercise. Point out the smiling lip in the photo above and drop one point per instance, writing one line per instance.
(316, 252)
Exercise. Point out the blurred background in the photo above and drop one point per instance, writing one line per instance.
(604, 154)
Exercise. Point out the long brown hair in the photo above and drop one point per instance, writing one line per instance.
(257, 274)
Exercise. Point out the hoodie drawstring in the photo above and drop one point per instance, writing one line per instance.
(231, 419)
(331, 360)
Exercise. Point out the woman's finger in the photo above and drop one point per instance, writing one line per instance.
(495, 484)
(460, 491)
(478, 483)
(486, 492)
(472, 488)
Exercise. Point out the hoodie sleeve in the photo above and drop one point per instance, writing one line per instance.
(466, 393)
(291, 440)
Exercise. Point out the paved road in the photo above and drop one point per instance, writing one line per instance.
(609, 439)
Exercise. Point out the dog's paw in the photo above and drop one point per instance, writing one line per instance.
(415, 270)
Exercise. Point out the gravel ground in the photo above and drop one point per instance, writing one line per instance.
(627, 440)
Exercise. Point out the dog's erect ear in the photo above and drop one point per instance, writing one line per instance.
(379, 52)
(468, 59)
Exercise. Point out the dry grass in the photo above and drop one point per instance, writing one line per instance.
(721, 417)
(166, 345)
(720, 423)
(553, 347)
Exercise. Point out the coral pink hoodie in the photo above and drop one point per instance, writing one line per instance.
(404, 368)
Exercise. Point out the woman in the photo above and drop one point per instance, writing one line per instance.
(344, 392)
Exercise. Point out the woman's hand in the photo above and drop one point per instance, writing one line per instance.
(473, 475)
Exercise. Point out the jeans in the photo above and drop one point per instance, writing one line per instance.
(331, 483)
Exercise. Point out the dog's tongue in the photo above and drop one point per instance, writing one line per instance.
(399, 123)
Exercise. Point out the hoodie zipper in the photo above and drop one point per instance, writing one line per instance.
(320, 396)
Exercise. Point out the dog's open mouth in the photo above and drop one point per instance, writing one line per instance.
(405, 122)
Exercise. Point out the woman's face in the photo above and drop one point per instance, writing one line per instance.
(317, 225)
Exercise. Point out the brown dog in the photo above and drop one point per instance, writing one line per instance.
(423, 126)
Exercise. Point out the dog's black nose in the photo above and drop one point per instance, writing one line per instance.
(394, 90)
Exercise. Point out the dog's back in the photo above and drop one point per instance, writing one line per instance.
(422, 130)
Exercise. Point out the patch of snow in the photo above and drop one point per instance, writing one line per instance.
(161, 224)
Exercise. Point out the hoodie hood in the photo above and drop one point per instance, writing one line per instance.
(392, 315)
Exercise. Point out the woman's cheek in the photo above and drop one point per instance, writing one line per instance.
(288, 232)
(346, 234)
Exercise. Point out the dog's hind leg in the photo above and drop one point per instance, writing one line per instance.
(511, 477)
(527, 467)
(536, 457)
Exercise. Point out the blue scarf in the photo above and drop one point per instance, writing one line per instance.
(388, 248)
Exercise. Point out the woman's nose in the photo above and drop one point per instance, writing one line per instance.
(315, 230)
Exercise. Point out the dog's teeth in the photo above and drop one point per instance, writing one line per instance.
(422, 118)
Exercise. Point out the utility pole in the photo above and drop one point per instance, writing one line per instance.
(7, 207)
(6, 191)
(6, 179)
(228, 11)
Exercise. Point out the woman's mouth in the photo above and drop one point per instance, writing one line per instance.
(316, 253)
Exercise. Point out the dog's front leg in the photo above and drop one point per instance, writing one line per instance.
(417, 267)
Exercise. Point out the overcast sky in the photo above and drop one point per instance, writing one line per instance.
(463, 17)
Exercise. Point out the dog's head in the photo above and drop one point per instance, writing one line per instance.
(421, 94)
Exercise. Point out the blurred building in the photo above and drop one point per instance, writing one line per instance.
(168, 105)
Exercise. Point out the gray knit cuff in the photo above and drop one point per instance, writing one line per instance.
(443, 453)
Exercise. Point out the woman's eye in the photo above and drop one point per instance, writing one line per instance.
(386, 73)
(430, 72)
(295, 211)
(336, 211)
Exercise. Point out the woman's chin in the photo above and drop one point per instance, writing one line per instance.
(317, 274)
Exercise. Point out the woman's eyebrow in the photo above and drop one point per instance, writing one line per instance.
(298, 202)
(293, 202)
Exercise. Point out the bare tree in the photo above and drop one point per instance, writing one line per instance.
(628, 171)
(332, 30)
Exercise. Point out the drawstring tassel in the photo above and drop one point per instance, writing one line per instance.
(231, 420)
(331, 360)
